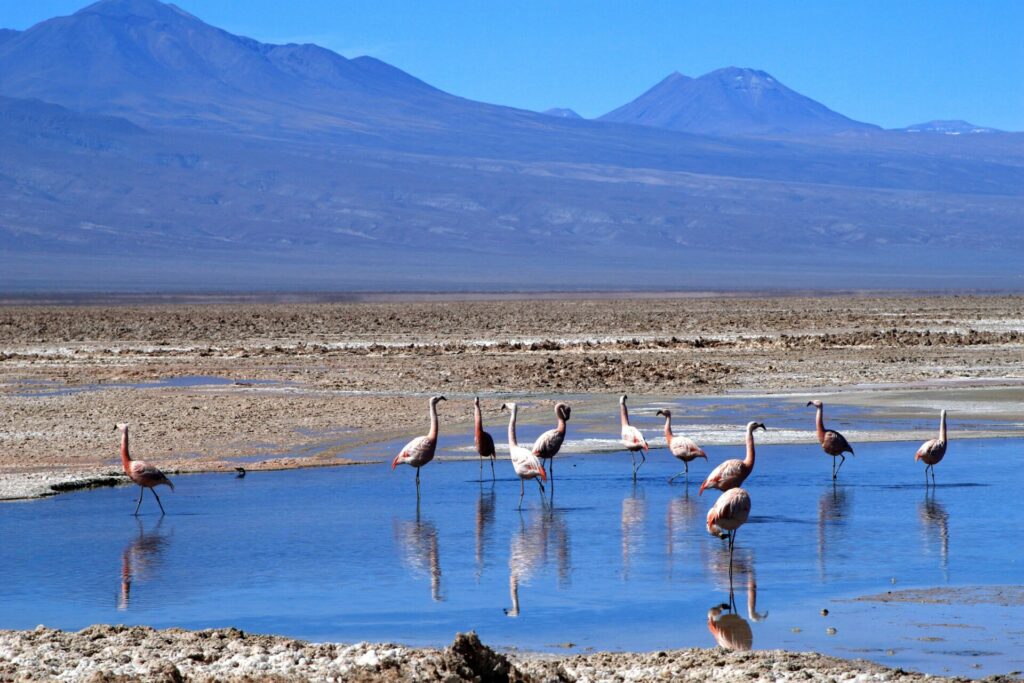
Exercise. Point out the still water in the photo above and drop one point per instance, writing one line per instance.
(348, 554)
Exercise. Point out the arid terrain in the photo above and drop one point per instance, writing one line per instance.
(302, 383)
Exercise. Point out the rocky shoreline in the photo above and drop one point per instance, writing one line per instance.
(138, 653)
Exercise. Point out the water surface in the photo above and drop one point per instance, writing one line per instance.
(346, 554)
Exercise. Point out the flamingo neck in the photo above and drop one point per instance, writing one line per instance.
(942, 428)
(478, 422)
(560, 427)
(623, 415)
(126, 459)
(749, 460)
(819, 423)
(433, 421)
(512, 427)
(668, 429)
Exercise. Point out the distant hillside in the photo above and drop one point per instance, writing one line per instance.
(731, 101)
(142, 148)
(955, 127)
(562, 113)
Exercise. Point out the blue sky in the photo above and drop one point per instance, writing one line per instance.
(890, 63)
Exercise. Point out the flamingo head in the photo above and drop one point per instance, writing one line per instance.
(622, 400)
(476, 401)
(394, 463)
(751, 426)
(543, 474)
(507, 407)
(123, 426)
(816, 403)
(562, 410)
(701, 453)
(664, 413)
(435, 399)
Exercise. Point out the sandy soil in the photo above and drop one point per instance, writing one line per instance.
(344, 374)
(119, 653)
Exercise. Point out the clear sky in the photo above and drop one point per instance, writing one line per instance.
(890, 62)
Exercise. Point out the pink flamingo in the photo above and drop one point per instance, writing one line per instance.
(549, 443)
(732, 473)
(526, 464)
(420, 450)
(484, 441)
(684, 448)
(832, 442)
(728, 514)
(933, 450)
(632, 439)
(145, 475)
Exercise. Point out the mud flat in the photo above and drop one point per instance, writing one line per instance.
(119, 653)
(273, 385)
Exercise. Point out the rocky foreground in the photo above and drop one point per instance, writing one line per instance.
(122, 653)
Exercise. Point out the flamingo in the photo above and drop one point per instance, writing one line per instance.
(526, 464)
(484, 441)
(832, 442)
(549, 443)
(932, 451)
(733, 473)
(145, 475)
(684, 448)
(632, 439)
(729, 513)
(420, 450)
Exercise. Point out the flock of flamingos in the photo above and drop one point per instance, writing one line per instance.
(727, 515)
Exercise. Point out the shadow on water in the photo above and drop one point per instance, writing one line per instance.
(141, 559)
(417, 539)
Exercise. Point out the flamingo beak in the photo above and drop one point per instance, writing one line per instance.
(394, 463)
(810, 403)
(543, 474)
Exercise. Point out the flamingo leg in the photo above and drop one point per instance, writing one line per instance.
(676, 476)
(142, 491)
(540, 484)
(842, 459)
(481, 469)
(551, 472)
(633, 456)
(522, 492)
(492, 469)
(153, 491)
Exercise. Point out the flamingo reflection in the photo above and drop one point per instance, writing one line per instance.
(935, 525)
(730, 630)
(833, 506)
(484, 520)
(546, 534)
(139, 559)
(680, 515)
(418, 542)
(634, 512)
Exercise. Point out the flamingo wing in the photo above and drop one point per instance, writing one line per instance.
(685, 448)
(418, 452)
(144, 474)
(724, 477)
(548, 444)
(835, 443)
(485, 445)
(526, 464)
(931, 451)
(633, 438)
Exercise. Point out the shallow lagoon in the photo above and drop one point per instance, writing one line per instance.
(347, 554)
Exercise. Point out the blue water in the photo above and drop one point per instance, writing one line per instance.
(348, 554)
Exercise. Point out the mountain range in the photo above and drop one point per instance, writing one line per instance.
(141, 148)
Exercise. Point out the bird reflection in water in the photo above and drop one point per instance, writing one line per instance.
(418, 542)
(634, 512)
(833, 506)
(545, 535)
(484, 521)
(935, 525)
(679, 519)
(729, 629)
(139, 559)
